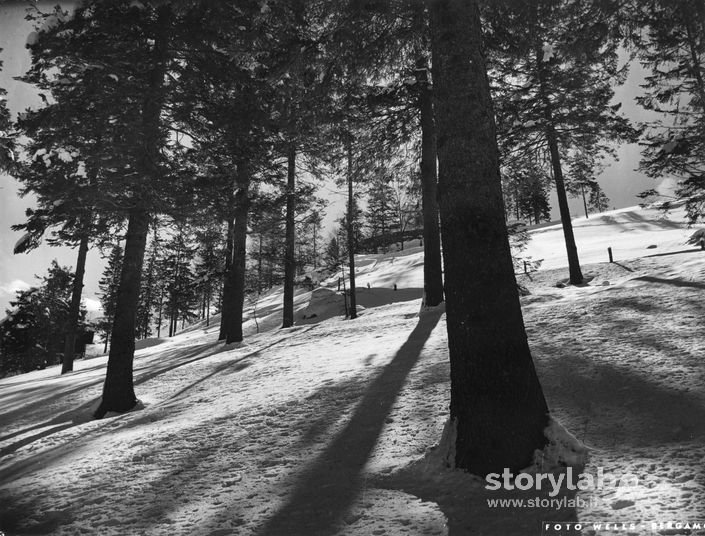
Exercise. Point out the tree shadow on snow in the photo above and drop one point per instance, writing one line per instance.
(471, 508)
(675, 282)
(81, 414)
(328, 487)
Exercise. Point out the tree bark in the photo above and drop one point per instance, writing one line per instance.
(75, 307)
(118, 389)
(290, 240)
(237, 272)
(351, 235)
(497, 404)
(432, 268)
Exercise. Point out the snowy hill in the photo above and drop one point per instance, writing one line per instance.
(630, 232)
(327, 427)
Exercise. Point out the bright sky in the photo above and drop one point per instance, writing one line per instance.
(620, 180)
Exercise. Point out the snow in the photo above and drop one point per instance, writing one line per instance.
(341, 427)
(548, 51)
(64, 155)
(22, 243)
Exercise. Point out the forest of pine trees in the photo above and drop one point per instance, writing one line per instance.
(187, 142)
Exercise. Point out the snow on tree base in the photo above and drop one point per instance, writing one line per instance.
(563, 449)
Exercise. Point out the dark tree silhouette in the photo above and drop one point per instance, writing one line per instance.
(497, 404)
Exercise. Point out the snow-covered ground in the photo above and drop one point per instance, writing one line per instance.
(328, 427)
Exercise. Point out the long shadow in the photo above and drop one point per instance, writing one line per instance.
(80, 415)
(147, 374)
(668, 253)
(72, 416)
(622, 266)
(327, 488)
(674, 282)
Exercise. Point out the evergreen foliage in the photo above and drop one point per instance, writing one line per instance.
(32, 334)
(670, 42)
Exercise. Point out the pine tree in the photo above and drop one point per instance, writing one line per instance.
(108, 285)
(152, 286)
(332, 256)
(225, 105)
(208, 269)
(497, 406)
(529, 186)
(671, 44)
(59, 163)
(31, 336)
(583, 168)
(555, 65)
(179, 254)
(7, 137)
(309, 241)
(407, 210)
(380, 215)
(598, 199)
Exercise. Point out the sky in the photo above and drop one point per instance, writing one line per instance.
(620, 180)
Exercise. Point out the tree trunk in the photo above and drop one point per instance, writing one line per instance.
(432, 267)
(159, 314)
(315, 251)
(144, 321)
(175, 293)
(118, 389)
(208, 306)
(582, 192)
(351, 235)
(75, 307)
(227, 294)
(237, 272)
(289, 258)
(576, 275)
(497, 405)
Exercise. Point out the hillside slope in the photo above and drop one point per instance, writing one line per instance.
(328, 427)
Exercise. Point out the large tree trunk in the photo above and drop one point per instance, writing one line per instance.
(432, 267)
(351, 235)
(75, 306)
(118, 389)
(237, 272)
(497, 405)
(289, 258)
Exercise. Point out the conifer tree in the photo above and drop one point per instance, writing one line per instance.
(7, 138)
(380, 215)
(555, 65)
(208, 269)
(152, 285)
(31, 336)
(497, 407)
(60, 167)
(671, 44)
(108, 285)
